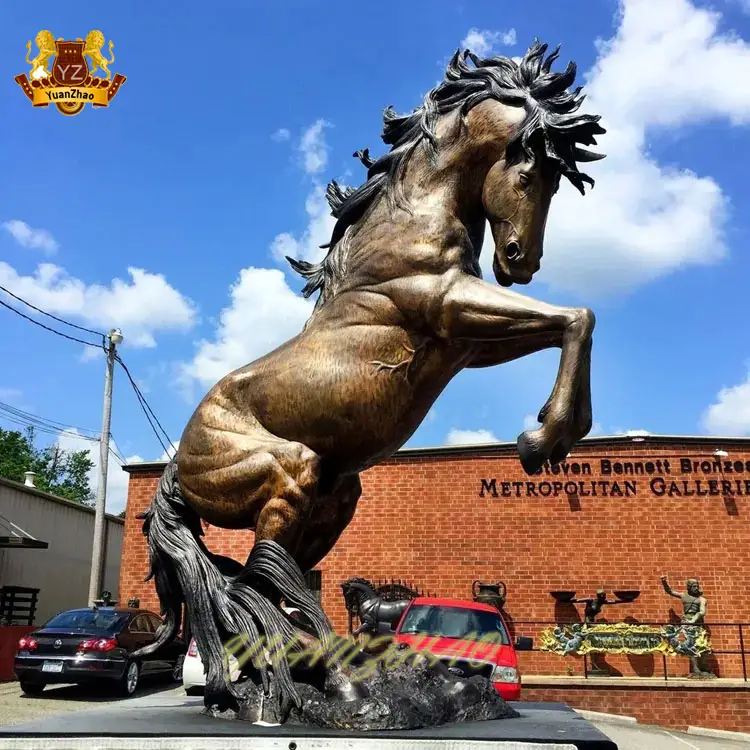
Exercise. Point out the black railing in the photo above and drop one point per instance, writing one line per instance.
(738, 629)
(17, 605)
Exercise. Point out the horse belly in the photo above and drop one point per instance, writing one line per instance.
(359, 409)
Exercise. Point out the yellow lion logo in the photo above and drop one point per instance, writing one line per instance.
(46, 44)
(93, 48)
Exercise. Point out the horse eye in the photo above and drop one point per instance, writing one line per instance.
(524, 179)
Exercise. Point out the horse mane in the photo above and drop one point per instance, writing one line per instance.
(551, 117)
(363, 581)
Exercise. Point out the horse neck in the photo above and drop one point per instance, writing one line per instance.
(435, 212)
(363, 592)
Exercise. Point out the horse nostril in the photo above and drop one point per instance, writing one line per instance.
(512, 251)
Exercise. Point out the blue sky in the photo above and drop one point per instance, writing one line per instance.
(167, 212)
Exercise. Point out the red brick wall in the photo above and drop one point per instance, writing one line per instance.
(421, 518)
(676, 707)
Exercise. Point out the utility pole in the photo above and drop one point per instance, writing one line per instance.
(97, 554)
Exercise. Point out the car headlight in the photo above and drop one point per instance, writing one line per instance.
(505, 674)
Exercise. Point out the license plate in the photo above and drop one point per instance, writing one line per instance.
(52, 666)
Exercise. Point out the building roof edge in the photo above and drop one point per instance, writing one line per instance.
(507, 447)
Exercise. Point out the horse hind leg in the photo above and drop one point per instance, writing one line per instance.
(294, 531)
(291, 489)
(274, 481)
(285, 478)
(331, 514)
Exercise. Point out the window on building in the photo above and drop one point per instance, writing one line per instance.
(313, 579)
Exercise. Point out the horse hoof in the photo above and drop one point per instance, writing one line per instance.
(531, 455)
(341, 688)
(559, 453)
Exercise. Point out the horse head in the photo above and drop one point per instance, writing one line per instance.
(525, 122)
(357, 590)
(504, 132)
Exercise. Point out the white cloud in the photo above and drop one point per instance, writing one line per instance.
(730, 414)
(141, 307)
(282, 134)
(36, 239)
(91, 354)
(263, 313)
(313, 148)
(117, 479)
(482, 42)
(667, 66)
(469, 437)
(320, 225)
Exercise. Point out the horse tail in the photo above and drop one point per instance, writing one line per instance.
(222, 598)
(186, 573)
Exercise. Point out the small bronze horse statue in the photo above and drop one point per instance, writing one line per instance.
(277, 446)
(371, 608)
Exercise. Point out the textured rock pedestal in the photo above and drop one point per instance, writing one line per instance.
(403, 697)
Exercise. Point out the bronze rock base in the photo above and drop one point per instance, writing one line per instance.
(409, 696)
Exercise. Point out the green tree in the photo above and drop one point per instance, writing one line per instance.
(62, 473)
(16, 454)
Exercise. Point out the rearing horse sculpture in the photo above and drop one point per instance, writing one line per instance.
(277, 445)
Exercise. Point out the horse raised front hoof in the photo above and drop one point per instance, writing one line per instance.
(559, 453)
(531, 454)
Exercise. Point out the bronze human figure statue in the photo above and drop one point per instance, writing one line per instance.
(594, 605)
(277, 445)
(593, 608)
(693, 613)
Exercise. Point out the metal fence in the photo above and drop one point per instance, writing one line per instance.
(723, 634)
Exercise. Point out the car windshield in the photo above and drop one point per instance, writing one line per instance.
(87, 618)
(453, 622)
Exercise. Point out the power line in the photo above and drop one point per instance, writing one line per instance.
(51, 330)
(44, 429)
(50, 315)
(115, 450)
(147, 410)
(117, 457)
(43, 421)
(53, 427)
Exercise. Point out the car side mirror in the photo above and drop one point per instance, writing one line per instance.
(524, 643)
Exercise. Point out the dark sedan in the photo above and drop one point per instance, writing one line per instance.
(94, 645)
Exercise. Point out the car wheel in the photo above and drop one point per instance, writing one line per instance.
(32, 688)
(177, 671)
(129, 680)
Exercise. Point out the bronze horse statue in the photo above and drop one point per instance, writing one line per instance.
(277, 446)
(371, 608)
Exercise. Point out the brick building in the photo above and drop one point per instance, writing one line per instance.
(616, 515)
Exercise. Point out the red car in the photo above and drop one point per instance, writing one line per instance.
(471, 638)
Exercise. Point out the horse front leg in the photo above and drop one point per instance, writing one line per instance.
(473, 310)
(582, 415)
(497, 353)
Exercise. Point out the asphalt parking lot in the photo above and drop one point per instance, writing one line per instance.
(15, 708)
(641, 737)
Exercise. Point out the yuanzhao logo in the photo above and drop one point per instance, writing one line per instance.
(68, 82)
